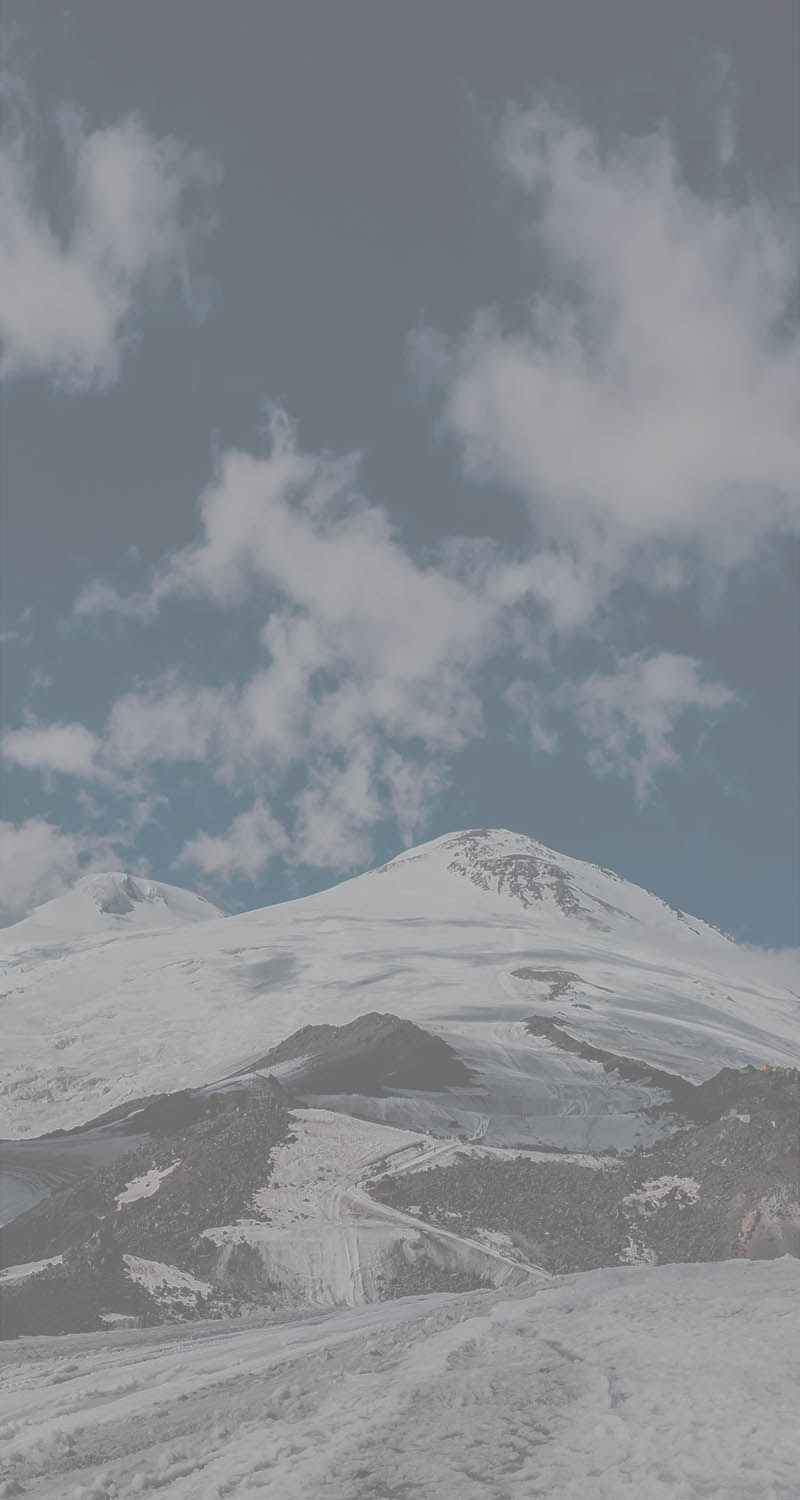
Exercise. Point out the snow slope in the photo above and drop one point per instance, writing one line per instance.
(467, 936)
(641, 1383)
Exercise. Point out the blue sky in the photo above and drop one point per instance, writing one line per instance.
(399, 417)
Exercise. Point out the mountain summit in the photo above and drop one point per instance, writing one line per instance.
(520, 870)
(112, 901)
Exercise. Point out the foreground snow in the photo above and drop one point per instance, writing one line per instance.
(467, 936)
(635, 1384)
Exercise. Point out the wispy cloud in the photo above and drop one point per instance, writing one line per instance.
(38, 861)
(647, 399)
(252, 840)
(64, 749)
(71, 278)
(630, 716)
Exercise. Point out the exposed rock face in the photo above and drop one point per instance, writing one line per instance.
(372, 1055)
(513, 865)
(151, 1205)
(526, 876)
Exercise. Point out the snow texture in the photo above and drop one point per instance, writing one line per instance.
(31, 1268)
(669, 1383)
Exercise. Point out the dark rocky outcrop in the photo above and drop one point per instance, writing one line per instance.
(726, 1186)
(373, 1056)
(218, 1162)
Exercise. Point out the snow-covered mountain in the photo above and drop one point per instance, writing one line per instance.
(110, 994)
(102, 905)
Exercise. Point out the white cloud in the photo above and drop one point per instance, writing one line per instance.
(167, 721)
(650, 395)
(66, 749)
(39, 861)
(67, 290)
(413, 786)
(336, 813)
(630, 716)
(252, 840)
(361, 642)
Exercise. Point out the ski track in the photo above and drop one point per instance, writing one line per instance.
(668, 1383)
(324, 1234)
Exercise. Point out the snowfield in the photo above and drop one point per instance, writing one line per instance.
(467, 936)
(640, 1383)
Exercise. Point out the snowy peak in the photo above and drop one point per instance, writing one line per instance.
(539, 880)
(512, 865)
(114, 901)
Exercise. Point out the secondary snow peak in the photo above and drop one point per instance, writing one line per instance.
(112, 900)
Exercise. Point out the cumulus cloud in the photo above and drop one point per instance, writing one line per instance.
(361, 643)
(252, 840)
(648, 398)
(38, 861)
(66, 749)
(629, 717)
(336, 812)
(69, 286)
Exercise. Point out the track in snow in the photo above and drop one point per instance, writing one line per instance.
(634, 1384)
